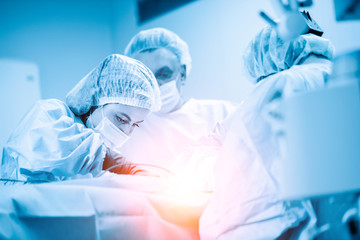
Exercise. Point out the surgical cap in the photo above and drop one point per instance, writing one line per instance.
(267, 54)
(160, 38)
(117, 79)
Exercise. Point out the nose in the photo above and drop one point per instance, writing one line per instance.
(127, 129)
(130, 131)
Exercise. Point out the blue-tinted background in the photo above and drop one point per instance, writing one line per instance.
(68, 38)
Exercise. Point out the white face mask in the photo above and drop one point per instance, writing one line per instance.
(170, 97)
(112, 136)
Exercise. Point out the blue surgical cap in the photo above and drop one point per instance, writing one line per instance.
(117, 79)
(160, 38)
(267, 54)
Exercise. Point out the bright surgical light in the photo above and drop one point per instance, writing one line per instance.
(187, 189)
(192, 183)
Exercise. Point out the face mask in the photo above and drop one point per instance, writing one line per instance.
(170, 97)
(112, 136)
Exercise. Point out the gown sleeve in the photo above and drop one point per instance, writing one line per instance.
(50, 144)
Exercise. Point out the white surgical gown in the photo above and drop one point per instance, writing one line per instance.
(51, 143)
(163, 137)
(245, 203)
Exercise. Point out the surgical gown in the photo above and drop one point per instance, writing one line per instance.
(247, 172)
(162, 138)
(50, 144)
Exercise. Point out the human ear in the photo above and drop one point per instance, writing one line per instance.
(183, 74)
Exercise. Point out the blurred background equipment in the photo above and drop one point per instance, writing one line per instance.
(19, 90)
(292, 23)
(322, 132)
(347, 9)
(322, 150)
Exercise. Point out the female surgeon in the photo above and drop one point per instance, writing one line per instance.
(57, 141)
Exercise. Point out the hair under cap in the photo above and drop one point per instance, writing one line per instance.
(267, 54)
(117, 79)
(160, 38)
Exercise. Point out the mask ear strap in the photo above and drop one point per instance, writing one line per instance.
(89, 122)
(102, 111)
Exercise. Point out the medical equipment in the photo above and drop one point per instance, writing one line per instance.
(268, 54)
(346, 70)
(292, 23)
(344, 9)
(322, 137)
(347, 9)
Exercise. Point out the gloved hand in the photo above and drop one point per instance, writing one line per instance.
(116, 163)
